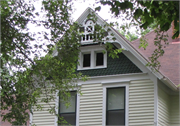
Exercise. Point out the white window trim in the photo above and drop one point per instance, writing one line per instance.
(57, 108)
(92, 50)
(114, 85)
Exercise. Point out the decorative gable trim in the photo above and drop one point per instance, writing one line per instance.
(124, 43)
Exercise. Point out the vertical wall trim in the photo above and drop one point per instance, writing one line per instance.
(127, 105)
(31, 117)
(156, 102)
(77, 109)
(104, 107)
(56, 109)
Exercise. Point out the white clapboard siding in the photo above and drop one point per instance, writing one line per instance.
(174, 111)
(141, 103)
(43, 117)
(163, 108)
(90, 109)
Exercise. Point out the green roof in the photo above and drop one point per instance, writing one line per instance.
(121, 65)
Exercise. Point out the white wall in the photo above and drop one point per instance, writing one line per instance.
(141, 103)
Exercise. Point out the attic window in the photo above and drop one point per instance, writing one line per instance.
(89, 29)
(86, 60)
(99, 59)
(92, 57)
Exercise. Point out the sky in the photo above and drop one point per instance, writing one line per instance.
(81, 5)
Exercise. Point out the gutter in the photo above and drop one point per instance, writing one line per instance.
(169, 83)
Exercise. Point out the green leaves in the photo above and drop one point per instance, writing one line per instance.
(98, 8)
(149, 15)
(138, 12)
(23, 69)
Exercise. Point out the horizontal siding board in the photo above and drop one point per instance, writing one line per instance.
(174, 112)
(163, 108)
(91, 105)
(141, 103)
(92, 102)
(92, 94)
(93, 91)
(91, 111)
(43, 117)
(93, 97)
(145, 81)
(90, 114)
(87, 100)
(140, 100)
(91, 88)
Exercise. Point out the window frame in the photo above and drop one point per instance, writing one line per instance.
(83, 60)
(92, 50)
(116, 85)
(115, 109)
(95, 57)
(76, 101)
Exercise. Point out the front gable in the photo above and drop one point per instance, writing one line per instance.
(140, 99)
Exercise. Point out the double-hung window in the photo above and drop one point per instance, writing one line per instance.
(115, 106)
(68, 113)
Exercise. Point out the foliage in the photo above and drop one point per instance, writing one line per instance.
(124, 30)
(146, 14)
(24, 74)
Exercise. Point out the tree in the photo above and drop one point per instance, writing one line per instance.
(145, 13)
(25, 75)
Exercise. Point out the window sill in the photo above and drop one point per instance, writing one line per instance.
(92, 68)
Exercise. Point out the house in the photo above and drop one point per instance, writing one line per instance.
(121, 91)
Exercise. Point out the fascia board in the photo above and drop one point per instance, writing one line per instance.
(128, 47)
(114, 78)
(83, 16)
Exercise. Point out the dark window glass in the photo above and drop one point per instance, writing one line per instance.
(115, 117)
(86, 60)
(115, 113)
(99, 59)
(69, 117)
(68, 113)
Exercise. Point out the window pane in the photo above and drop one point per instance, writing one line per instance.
(115, 98)
(70, 118)
(86, 60)
(72, 107)
(99, 59)
(116, 117)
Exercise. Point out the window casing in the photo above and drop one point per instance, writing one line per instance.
(115, 110)
(92, 57)
(120, 84)
(68, 113)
